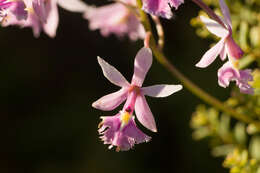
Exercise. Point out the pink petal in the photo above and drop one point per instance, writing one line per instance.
(211, 55)
(143, 62)
(53, 18)
(73, 5)
(225, 12)
(39, 9)
(161, 90)
(157, 8)
(214, 27)
(144, 114)
(223, 53)
(112, 74)
(233, 49)
(111, 101)
(176, 3)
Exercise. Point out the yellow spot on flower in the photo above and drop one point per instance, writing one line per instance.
(29, 9)
(125, 117)
(235, 64)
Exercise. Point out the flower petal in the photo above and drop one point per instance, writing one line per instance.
(161, 90)
(110, 101)
(223, 53)
(73, 5)
(112, 74)
(214, 27)
(39, 9)
(176, 3)
(225, 12)
(53, 18)
(211, 54)
(158, 8)
(143, 62)
(144, 114)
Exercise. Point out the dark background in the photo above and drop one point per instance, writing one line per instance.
(47, 124)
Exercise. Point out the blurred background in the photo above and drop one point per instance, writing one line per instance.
(47, 124)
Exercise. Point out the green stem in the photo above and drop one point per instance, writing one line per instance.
(193, 88)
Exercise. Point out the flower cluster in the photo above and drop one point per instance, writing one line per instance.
(125, 18)
(226, 47)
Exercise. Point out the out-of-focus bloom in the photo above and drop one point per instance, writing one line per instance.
(143, 62)
(13, 8)
(226, 45)
(228, 73)
(116, 19)
(161, 7)
(43, 15)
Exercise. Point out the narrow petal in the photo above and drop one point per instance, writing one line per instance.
(39, 9)
(223, 53)
(211, 55)
(214, 27)
(53, 18)
(110, 101)
(73, 5)
(233, 48)
(225, 12)
(112, 74)
(144, 114)
(143, 62)
(161, 90)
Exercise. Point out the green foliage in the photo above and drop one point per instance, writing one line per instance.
(238, 142)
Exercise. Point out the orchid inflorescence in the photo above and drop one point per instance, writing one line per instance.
(129, 18)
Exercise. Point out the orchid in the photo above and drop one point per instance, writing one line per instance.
(161, 7)
(43, 15)
(115, 18)
(134, 94)
(228, 73)
(226, 46)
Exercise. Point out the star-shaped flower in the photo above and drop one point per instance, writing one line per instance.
(137, 101)
(226, 46)
(120, 130)
(116, 19)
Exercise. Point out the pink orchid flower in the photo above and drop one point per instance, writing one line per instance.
(43, 15)
(122, 131)
(228, 73)
(116, 19)
(226, 46)
(161, 7)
